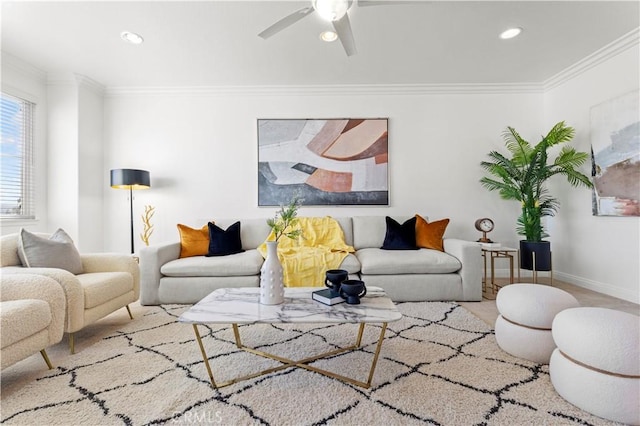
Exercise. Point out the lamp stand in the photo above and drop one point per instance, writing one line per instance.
(130, 179)
(131, 210)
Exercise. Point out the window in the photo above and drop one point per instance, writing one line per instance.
(16, 158)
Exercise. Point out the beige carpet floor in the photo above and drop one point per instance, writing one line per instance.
(439, 365)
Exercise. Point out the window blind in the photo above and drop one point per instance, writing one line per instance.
(16, 158)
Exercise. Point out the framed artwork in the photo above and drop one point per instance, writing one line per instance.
(615, 155)
(325, 162)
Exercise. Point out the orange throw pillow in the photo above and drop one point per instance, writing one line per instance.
(193, 242)
(429, 235)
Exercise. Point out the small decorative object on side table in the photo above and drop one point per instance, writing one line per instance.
(484, 225)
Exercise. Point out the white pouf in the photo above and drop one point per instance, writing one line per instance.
(596, 365)
(523, 327)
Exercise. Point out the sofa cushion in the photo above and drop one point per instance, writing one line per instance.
(350, 264)
(429, 235)
(253, 231)
(57, 251)
(239, 264)
(224, 242)
(376, 261)
(22, 318)
(346, 224)
(400, 236)
(100, 287)
(193, 242)
(369, 231)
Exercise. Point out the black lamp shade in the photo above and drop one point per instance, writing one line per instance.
(130, 179)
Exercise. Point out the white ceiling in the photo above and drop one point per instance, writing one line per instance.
(215, 43)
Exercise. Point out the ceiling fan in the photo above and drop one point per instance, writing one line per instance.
(335, 11)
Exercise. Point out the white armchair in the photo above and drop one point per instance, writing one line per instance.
(32, 314)
(109, 282)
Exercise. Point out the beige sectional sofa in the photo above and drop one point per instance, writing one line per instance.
(406, 275)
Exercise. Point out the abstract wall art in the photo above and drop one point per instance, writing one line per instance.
(324, 161)
(615, 155)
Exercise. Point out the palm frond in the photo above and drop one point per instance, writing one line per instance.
(519, 148)
(560, 133)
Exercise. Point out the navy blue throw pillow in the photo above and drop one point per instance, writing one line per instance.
(222, 243)
(400, 236)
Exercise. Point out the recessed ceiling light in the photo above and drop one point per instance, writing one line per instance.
(328, 36)
(132, 38)
(510, 33)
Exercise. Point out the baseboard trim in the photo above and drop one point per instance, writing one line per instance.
(603, 288)
(586, 283)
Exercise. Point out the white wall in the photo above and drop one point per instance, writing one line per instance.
(201, 151)
(62, 153)
(75, 152)
(597, 252)
(90, 167)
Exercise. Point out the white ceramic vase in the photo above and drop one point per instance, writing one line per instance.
(271, 285)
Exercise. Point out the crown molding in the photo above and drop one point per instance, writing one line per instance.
(627, 41)
(22, 67)
(72, 79)
(330, 90)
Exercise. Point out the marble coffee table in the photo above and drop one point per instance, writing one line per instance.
(242, 306)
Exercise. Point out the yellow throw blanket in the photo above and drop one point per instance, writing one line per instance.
(305, 260)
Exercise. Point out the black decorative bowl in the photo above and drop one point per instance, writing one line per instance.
(353, 290)
(335, 277)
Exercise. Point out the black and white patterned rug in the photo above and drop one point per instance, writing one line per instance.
(439, 365)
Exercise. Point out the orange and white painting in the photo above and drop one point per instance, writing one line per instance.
(615, 154)
(325, 162)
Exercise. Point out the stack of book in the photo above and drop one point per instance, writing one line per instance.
(326, 296)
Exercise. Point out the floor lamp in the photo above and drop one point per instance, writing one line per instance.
(130, 179)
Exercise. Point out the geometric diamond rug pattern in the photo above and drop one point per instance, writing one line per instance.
(439, 365)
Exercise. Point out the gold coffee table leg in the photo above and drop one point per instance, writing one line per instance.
(375, 357)
(359, 339)
(303, 363)
(204, 355)
(236, 334)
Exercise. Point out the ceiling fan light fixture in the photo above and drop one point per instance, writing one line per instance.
(130, 37)
(510, 33)
(328, 36)
(331, 10)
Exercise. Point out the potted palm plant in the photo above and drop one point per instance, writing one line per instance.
(523, 177)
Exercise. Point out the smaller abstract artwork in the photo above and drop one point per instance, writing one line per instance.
(325, 162)
(615, 155)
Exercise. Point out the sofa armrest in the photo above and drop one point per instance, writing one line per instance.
(73, 292)
(31, 286)
(470, 256)
(113, 262)
(151, 260)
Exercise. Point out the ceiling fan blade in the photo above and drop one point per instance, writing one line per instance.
(286, 21)
(343, 29)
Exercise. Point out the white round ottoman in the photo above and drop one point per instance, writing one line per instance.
(523, 327)
(596, 366)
